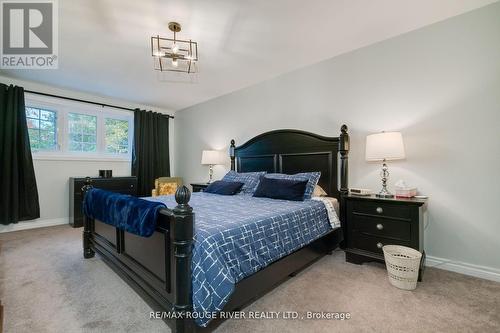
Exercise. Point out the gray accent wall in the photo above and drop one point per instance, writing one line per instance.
(439, 85)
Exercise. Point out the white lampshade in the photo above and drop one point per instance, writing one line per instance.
(385, 146)
(212, 157)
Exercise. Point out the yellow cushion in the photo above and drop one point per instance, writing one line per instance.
(167, 188)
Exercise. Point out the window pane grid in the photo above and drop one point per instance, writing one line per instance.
(42, 128)
(116, 136)
(105, 135)
(82, 132)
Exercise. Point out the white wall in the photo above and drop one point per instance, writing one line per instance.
(439, 85)
(53, 175)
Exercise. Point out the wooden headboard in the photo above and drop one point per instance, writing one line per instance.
(293, 151)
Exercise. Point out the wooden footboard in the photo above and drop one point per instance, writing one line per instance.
(157, 267)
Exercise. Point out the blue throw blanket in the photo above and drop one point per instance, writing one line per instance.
(125, 212)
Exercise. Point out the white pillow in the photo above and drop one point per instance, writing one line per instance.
(319, 192)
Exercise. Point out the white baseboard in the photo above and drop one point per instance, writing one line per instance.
(33, 224)
(488, 273)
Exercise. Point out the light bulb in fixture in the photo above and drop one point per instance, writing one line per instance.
(159, 54)
(175, 63)
(175, 48)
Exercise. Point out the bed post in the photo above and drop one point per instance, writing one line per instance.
(231, 155)
(88, 252)
(344, 152)
(344, 173)
(182, 235)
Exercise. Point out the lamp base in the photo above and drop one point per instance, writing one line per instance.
(384, 193)
(210, 173)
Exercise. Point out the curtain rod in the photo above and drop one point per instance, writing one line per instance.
(85, 101)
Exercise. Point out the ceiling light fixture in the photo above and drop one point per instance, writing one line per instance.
(174, 55)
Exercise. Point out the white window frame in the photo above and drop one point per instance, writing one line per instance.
(48, 107)
(63, 107)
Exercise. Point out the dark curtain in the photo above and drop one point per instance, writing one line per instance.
(18, 191)
(150, 154)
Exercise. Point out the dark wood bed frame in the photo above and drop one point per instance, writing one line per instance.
(158, 268)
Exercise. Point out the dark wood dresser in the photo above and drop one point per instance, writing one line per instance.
(199, 187)
(373, 222)
(125, 185)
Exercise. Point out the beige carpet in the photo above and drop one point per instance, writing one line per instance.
(46, 286)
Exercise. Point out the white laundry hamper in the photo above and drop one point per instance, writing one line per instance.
(403, 264)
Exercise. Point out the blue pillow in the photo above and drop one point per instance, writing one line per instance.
(224, 188)
(311, 177)
(285, 189)
(250, 180)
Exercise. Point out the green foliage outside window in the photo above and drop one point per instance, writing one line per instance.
(82, 132)
(116, 136)
(42, 128)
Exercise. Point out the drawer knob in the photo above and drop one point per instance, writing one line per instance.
(380, 245)
(379, 210)
(380, 226)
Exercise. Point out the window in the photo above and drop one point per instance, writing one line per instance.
(82, 132)
(117, 137)
(67, 130)
(42, 128)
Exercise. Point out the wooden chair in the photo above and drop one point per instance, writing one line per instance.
(166, 186)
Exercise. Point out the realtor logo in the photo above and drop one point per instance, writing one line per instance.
(29, 34)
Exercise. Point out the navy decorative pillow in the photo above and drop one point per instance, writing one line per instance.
(250, 180)
(224, 188)
(311, 177)
(286, 189)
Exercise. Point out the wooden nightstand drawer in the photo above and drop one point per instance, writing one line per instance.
(382, 227)
(381, 209)
(373, 243)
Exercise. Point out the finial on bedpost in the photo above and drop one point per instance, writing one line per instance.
(231, 154)
(87, 185)
(182, 239)
(182, 196)
(87, 224)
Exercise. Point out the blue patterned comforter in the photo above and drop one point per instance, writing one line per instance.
(236, 236)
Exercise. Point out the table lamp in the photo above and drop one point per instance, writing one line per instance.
(384, 147)
(211, 158)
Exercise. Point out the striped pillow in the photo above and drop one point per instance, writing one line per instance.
(249, 179)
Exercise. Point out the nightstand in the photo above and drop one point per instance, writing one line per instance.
(199, 187)
(373, 222)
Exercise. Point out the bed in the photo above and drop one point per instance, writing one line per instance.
(160, 267)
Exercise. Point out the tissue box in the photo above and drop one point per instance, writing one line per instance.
(406, 192)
